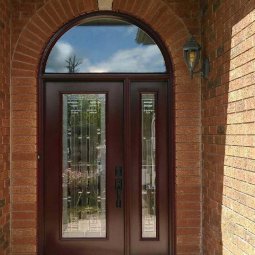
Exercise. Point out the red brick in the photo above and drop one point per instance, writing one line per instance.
(5, 37)
(24, 189)
(24, 198)
(30, 180)
(24, 156)
(181, 21)
(38, 25)
(60, 10)
(67, 9)
(21, 148)
(50, 12)
(25, 59)
(74, 7)
(26, 240)
(24, 131)
(16, 207)
(23, 215)
(25, 248)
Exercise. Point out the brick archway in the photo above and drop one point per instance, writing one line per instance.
(25, 62)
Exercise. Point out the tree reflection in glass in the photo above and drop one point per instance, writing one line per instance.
(105, 45)
(84, 166)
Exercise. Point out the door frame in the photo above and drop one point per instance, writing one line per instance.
(126, 78)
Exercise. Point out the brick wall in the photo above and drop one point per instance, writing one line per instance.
(33, 23)
(189, 13)
(228, 116)
(4, 126)
(21, 12)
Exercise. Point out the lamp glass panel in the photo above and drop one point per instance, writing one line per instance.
(192, 58)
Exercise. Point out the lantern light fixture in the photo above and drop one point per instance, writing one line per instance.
(191, 54)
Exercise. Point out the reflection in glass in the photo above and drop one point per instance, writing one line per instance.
(103, 45)
(84, 161)
(149, 206)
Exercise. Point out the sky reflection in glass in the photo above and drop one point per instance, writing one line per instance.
(106, 45)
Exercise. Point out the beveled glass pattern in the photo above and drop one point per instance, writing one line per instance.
(149, 188)
(84, 166)
(105, 45)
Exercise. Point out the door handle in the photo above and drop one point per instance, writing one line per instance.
(118, 185)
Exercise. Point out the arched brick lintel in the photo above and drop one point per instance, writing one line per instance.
(24, 72)
(54, 14)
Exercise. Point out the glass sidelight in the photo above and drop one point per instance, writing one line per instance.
(149, 187)
(84, 166)
(149, 221)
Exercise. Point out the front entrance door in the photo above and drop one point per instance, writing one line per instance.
(105, 168)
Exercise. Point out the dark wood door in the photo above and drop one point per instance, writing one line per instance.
(83, 146)
(105, 168)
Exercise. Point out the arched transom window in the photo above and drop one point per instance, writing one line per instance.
(105, 45)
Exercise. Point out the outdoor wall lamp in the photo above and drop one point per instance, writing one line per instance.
(191, 54)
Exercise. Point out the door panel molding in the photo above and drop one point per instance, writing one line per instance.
(114, 244)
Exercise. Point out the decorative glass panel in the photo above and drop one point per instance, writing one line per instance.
(149, 188)
(84, 166)
(105, 45)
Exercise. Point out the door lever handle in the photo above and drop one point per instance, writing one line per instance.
(118, 185)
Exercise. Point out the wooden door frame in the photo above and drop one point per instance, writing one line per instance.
(108, 77)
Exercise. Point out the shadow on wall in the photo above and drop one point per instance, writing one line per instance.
(228, 103)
